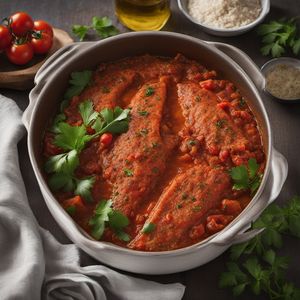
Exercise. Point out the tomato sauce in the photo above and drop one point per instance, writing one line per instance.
(188, 128)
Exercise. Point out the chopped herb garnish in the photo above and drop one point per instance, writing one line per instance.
(154, 145)
(149, 91)
(179, 205)
(242, 102)
(193, 198)
(246, 177)
(144, 132)
(155, 170)
(191, 142)
(148, 227)
(143, 113)
(220, 123)
(128, 172)
(197, 98)
(184, 196)
(105, 90)
(196, 208)
(105, 215)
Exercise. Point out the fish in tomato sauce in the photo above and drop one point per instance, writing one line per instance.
(170, 172)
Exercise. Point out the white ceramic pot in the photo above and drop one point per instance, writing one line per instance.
(52, 80)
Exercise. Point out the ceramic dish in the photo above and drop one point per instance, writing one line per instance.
(51, 82)
(268, 66)
(265, 4)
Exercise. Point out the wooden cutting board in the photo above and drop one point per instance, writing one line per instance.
(21, 77)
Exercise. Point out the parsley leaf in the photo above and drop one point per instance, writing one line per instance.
(278, 36)
(101, 25)
(246, 177)
(148, 227)
(84, 186)
(105, 215)
(104, 27)
(78, 82)
(65, 163)
(71, 137)
(255, 264)
(80, 31)
(87, 112)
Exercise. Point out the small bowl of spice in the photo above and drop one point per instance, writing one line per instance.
(283, 78)
(225, 17)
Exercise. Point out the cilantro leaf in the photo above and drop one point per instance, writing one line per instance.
(66, 162)
(296, 46)
(58, 119)
(100, 217)
(104, 27)
(148, 227)
(78, 82)
(80, 31)
(71, 137)
(83, 188)
(106, 215)
(87, 112)
(240, 177)
(61, 181)
(246, 177)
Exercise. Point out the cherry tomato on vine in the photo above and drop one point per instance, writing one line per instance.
(5, 37)
(41, 43)
(41, 25)
(21, 23)
(20, 54)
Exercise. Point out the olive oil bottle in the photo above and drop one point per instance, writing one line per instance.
(143, 14)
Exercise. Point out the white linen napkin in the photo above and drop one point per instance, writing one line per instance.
(33, 265)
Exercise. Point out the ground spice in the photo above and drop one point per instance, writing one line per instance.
(283, 81)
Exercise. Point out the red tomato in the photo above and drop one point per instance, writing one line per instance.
(106, 139)
(43, 44)
(20, 54)
(5, 37)
(21, 23)
(208, 84)
(43, 26)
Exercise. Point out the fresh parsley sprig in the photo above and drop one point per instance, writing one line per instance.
(278, 36)
(73, 140)
(255, 264)
(102, 25)
(246, 177)
(104, 216)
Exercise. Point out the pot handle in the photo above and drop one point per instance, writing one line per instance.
(244, 62)
(235, 234)
(46, 71)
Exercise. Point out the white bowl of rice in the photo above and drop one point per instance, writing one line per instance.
(225, 17)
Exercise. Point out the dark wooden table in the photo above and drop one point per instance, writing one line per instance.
(202, 282)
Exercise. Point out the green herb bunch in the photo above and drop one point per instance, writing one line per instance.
(101, 25)
(279, 36)
(73, 139)
(255, 264)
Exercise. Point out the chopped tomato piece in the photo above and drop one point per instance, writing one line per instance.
(106, 139)
(208, 84)
(224, 155)
(231, 207)
(76, 202)
(216, 223)
(224, 105)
